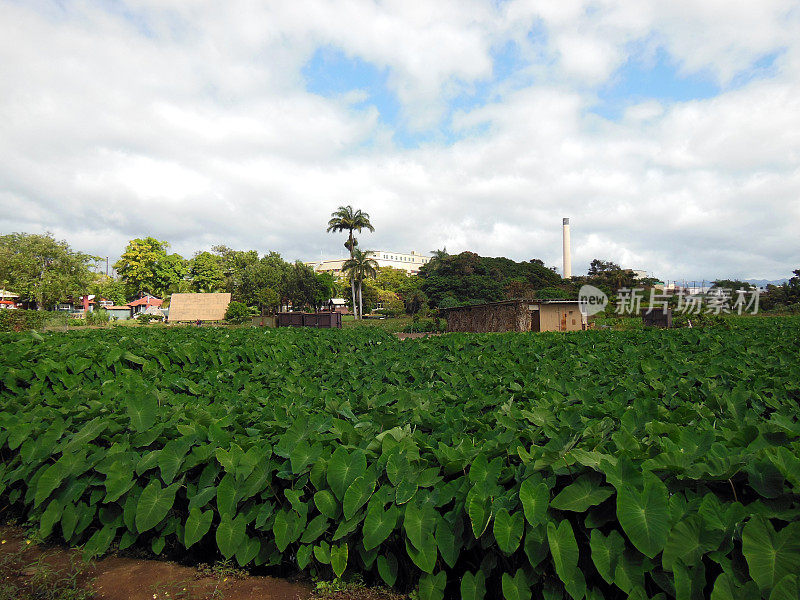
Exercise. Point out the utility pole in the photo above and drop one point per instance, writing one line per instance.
(106, 266)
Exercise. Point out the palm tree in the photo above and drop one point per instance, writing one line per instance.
(359, 267)
(439, 254)
(347, 219)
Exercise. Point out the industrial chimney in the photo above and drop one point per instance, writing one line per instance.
(567, 257)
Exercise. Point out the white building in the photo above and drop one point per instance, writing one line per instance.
(409, 262)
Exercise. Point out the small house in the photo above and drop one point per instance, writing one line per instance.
(517, 315)
(142, 304)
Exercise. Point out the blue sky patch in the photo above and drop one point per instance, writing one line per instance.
(638, 81)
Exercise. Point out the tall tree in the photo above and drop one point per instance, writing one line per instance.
(43, 270)
(264, 282)
(145, 266)
(347, 219)
(206, 272)
(360, 267)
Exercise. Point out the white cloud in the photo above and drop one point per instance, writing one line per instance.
(191, 122)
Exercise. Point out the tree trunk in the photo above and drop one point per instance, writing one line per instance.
(360, 302)
(353, 289)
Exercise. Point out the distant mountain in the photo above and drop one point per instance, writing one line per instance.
(766, 282)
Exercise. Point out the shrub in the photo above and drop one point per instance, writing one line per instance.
(425, 326)
(144, 319)
(448, 302)
(700, 320)
(97, 317)
(238, 313)
(553, 294)
(23, 320)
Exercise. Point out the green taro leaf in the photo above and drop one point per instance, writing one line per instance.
(447, 541)
(50, 517)
(419, 523)
(247, 551)
(302, 455)
(339, 559)
(564, 550)
(171, 458)
(606, 552)
(230, 535)
(154, 504)
(584, 492)
(405, 491)
(431, 587)
(117, 482)
(508, 530)
(727, 588)
(69, 519)
(142, 410)
(535, 498)
(100, 541)
(314, 529)
(688, 541)
(378, 525)
(479, 512)
(785, 589)
(516, 587)
(357, 495)
(343, 469)
(326, 504)
(770, 555)
(304, 554)
(197, 525)
(644, 516)
(50, 479)
(473, 587)
(424, 556)
(387, 568)
(322, 553)
(226, 495)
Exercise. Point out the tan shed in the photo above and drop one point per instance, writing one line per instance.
(517, 315)
(198, 307)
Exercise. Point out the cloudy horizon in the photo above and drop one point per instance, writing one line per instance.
(669, 133)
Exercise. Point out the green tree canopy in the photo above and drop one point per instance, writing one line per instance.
(110, 289)
(205, 270)
(43, 270)
(145, 266)
(263, 282)
(469, 278)
(396, 280)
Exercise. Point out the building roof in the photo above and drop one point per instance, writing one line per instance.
(7, 294)
(198, 307)
(126, 307)
(146, 301)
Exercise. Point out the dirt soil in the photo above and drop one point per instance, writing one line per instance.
(31, 571)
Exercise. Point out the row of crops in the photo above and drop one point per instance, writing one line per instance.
(642, 464)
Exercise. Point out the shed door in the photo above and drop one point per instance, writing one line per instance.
(535, 321)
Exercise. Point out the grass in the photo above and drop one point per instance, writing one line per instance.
(389, 324)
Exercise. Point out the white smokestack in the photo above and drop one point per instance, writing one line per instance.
(567, 256)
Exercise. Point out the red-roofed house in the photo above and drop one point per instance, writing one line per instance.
(143, 303)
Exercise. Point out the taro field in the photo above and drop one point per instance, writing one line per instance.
(600, 464)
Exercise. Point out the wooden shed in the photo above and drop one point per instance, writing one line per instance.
(517, 315)
(322, 319)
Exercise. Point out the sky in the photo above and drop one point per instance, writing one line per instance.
(668, 132)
